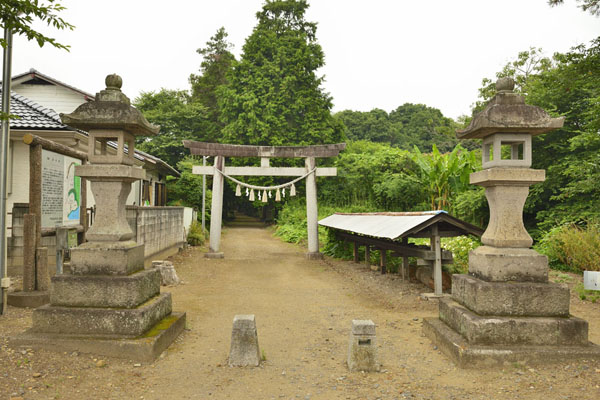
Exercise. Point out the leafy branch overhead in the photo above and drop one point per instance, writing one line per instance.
(19, 15)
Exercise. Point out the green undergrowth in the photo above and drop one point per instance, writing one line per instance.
(196, 237)
(590, 295)
(572, 247)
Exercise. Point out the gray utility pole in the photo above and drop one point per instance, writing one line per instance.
(4, 143)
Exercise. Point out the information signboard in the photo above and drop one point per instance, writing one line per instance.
(61, 190)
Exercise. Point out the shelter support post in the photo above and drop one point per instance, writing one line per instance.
(356, 257)
(436, 246)
(404, 260)
(312, 211)
(383, 260)
(368, 255)
(216, 210)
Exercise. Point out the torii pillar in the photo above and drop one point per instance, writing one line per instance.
(220, 151)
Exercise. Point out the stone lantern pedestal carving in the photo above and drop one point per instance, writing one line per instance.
(108, 304)
(505, 310)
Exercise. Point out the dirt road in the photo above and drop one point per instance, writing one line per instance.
(303, 311)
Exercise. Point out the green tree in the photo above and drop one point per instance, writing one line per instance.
(216, 64)
(274, 96)
(18, 15)
(179, 119)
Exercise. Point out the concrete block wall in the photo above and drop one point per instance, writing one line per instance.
(15, 242)
(160, 229)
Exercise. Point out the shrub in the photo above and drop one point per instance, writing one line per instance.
(572, 248)
(196, 237)
(460, 246)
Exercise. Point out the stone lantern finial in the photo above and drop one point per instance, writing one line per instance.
(113, 81)
(506, 84)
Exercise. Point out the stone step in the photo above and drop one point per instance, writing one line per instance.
(105, 291)
(523, 299)
(102, 321)
(485, 330)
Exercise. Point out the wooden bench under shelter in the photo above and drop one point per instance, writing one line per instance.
(390, 231)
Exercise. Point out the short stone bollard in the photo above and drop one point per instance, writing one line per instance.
(244, 342)
(168, 275)
(362, 353)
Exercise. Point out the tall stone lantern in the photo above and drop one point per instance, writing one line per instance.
(108, 304)
(505, 309)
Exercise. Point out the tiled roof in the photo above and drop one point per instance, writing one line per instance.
(32, 115)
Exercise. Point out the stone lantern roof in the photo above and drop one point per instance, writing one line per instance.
(507, 112)
(111, 110)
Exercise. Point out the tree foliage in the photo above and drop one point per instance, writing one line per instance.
(217, 63)
(179, 118)
(274, 96)
(407, 126)
(592, 6)
(18, 15)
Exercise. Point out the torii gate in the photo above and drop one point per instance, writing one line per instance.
(219, 171)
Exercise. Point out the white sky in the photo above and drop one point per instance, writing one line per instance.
(379, 53)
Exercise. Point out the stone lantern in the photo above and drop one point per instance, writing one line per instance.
(505, 309)
(108, 302)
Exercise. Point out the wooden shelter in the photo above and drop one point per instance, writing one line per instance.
(391, 230)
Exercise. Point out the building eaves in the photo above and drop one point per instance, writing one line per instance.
(33, 73)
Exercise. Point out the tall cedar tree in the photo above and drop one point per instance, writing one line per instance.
(217, 62)
(274, 96)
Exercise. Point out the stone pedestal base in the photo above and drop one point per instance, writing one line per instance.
(489, 323)
(107, 258)
(145, 348)
(508, 264)
(314, 255)
(214, 255)
(28, 299)
(362, 347)
(468, 355)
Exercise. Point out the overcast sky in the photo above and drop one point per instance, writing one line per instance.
(378, 53)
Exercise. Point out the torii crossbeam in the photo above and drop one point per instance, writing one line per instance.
(220, 151)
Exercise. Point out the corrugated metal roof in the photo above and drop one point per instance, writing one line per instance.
(388, 225)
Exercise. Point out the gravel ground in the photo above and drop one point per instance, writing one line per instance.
(303, 311)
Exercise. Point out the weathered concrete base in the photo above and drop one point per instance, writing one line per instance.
(467, 355)
(432, 296)
(314, 255)
(107, 258)
(477, 329)
(244, 350)
(214, 255)
(145, 348)
(498, 264)
(511, 298)
(362, 347)
(127, 291)
(124, 322)
(28, 299)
